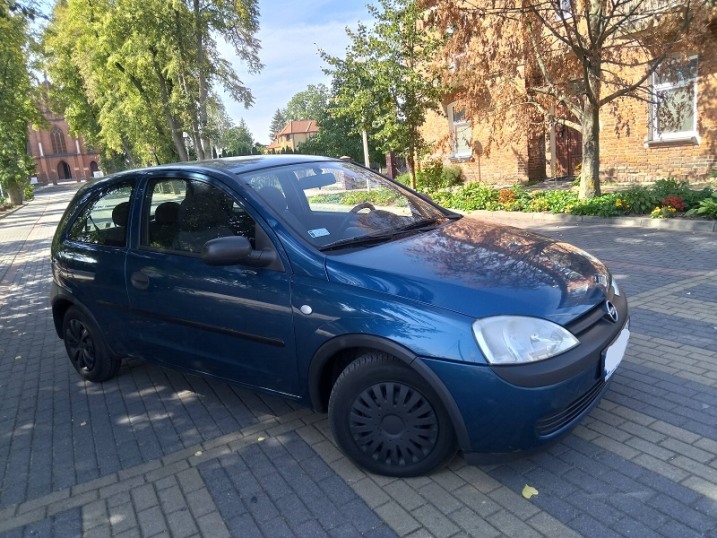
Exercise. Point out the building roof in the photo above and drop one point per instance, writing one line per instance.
(299, 127)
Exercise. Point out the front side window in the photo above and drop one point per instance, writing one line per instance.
(181, 215)
(104, 221)
(461, 131)
(674, 112)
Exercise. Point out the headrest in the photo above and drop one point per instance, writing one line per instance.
(167, 213)
(203, 210)
(120, 214)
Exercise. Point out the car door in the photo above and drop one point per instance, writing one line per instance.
(231, 321)
(89, 258)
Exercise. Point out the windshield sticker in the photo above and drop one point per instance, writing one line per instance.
(319, 232)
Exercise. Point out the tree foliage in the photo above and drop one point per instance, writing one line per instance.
(308, 104)
(133, 76)
(519, 63)
(278, 120)
(18, 107)
(238, 140)
(336, 136)
(382, 86)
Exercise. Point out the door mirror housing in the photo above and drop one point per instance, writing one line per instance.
(234, 250)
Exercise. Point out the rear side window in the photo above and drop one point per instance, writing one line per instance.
(104, 220)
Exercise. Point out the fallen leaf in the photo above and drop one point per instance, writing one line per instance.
(529, 492)
(198, 453)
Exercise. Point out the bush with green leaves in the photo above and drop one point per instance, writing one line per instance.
(471, 197)
(29, 192)
(608, 205)
(707, 208)
(553, 201)
(434, 176)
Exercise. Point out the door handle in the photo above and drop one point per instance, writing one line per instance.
(139, 280)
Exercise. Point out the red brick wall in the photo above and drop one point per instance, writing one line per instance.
(626, 154)
(505, 163)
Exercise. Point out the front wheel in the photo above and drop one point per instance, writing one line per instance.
(388, 419)
(86, 349)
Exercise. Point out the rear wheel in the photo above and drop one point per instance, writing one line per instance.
(86, 349)
(388, 419)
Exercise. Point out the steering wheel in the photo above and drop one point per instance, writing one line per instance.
(362, 205)
(355, 209)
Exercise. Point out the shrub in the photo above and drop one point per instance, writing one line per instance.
(639, 200)
(674, 200)
(553, 201)
(29, 192)
(603, 206)
(470, 197)
(706, 208)
(434, 176)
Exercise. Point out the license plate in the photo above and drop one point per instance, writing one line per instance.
(616, 351)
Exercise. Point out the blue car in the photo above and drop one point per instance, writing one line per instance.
(420, 331)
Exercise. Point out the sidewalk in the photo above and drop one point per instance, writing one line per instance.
(158, 453)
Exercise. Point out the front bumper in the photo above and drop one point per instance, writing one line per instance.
(510, 409)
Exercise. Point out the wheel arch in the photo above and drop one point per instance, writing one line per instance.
(333, 356)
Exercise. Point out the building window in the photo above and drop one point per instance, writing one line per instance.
(674, 113)
(461, 132)
(58, 141)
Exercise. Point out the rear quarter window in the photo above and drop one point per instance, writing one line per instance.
(104, 220)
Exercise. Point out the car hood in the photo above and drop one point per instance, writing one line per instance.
(479, 269)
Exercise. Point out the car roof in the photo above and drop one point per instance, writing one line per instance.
(240, 165)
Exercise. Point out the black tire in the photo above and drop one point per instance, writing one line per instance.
(388, 419)
(86, 348)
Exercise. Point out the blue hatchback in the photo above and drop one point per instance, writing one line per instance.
(419, 330)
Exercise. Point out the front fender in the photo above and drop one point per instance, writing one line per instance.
(333, 347)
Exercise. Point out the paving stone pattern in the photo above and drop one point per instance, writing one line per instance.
(158, 453)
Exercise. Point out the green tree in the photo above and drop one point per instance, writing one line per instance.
(308, 104)
(333, 138)
(521, 62)
(18, 106)
(278, 120)
(238, 140)
(136, 77)
(383, 86)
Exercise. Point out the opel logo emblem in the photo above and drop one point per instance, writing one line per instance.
(611, 311)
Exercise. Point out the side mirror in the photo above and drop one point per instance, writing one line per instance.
(236, 249)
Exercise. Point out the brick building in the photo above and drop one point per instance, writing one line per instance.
(636, 142)
(58, 155)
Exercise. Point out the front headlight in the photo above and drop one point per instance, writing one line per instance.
(615, 287)
(519, 339)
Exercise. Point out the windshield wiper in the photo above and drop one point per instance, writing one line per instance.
(370, 239)
(429, 222)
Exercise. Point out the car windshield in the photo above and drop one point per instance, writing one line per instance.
(336, 204)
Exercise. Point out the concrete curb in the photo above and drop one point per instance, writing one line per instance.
(680, 225)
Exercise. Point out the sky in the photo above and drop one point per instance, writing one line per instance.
(291, 33)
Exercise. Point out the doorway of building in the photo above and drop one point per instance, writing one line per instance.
(568, 151)
(63, 170)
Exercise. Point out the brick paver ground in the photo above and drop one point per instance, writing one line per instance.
(157, 453)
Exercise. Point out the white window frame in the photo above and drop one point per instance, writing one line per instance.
(455, 125)
(655, 134)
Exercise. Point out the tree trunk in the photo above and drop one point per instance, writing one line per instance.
(205, 151)
(590, 173)
(411, 162)
(15, 193)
